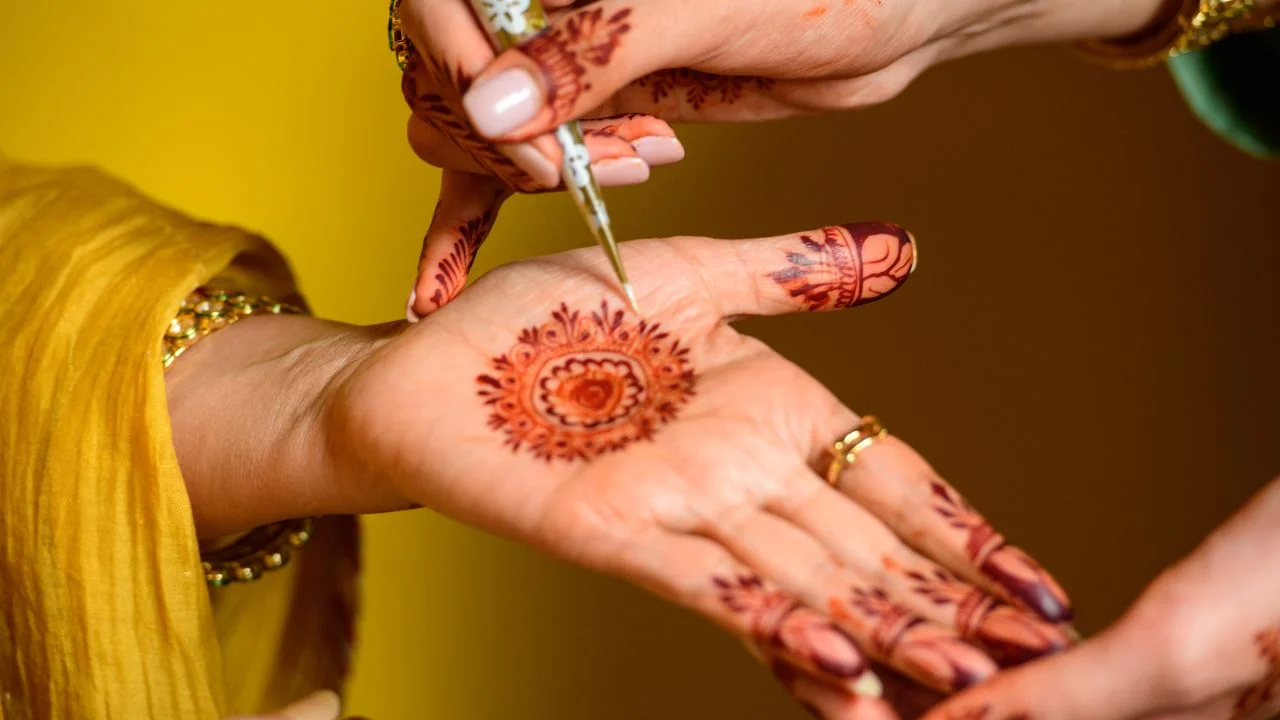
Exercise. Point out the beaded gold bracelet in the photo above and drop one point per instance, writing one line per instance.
(271, 546)
(1196, 25)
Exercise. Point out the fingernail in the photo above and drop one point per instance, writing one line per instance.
(621, 171)
(409, 314)
(541, 170)
(868, 686)
(1073, 634)
(659, 150)
(502, 103)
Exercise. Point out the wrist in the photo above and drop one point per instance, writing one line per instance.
(242, 405)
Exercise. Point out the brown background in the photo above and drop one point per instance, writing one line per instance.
(1087, 349)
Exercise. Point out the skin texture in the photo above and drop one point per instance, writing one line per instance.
(712, 62)
(1202, 643)
(669, 449)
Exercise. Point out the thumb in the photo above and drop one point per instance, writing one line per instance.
(463, 217)
(832, 268)
(581, 59)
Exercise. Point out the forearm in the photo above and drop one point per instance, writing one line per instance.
(246, 405)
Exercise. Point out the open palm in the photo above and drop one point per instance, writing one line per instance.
(674, 451)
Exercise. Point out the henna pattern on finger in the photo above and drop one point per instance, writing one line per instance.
(563, 52)
(452, 270)
(1268, 642)
(1009, 635)
(700, 89)
(903, 639)
(1012, 569)
(434, 89)
(784, 626)
(848, 265)
(586, 384)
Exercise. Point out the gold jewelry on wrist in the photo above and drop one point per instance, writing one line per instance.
(260, 551)
(206, 310)
(265, 548)
(400, 43)
(1196, 25)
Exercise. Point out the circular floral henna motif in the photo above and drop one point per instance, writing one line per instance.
(585, 384)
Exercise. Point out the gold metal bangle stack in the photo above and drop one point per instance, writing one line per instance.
(206, 310)
(271, 546)
(1196, 25)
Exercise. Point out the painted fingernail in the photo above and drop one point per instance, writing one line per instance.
(659, 150)
(1013, 637)
(502, 103)
(868, 686)
(1028, 583)
(541, 170)
(620, 171)
(409, 314)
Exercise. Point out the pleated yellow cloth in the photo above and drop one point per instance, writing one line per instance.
(104, 612)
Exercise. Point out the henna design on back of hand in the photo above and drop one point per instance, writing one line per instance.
(585, 384)
(564, 51)
(434, 89)
(700, 89)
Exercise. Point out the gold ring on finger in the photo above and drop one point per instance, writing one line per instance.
(844, 452)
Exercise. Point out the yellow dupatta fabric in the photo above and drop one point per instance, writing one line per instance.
(104, 612)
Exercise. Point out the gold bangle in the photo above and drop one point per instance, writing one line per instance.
(269, 547)
(1196, 25)
(400, 43)
(206, 310)
(262, 550)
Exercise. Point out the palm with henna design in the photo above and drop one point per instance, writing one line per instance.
(670, 449)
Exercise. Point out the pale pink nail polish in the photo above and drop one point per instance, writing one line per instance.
(409, 314)
(502, 103)
(659, 150)
(534, 163)
(620, 171)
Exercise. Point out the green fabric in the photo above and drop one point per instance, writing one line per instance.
(1234, 86)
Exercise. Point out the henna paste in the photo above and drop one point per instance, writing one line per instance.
(564, 51)
(434, 91)
(903, 639)
(1268, 642)
(803, 636)
(1008, 566)
(1009, 635)
(586, 384)
(699, 89)
(847, 265)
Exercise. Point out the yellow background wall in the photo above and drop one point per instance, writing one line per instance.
(1088, 349)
